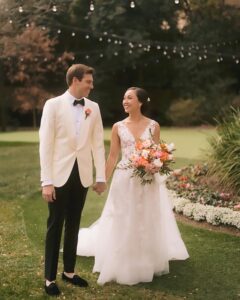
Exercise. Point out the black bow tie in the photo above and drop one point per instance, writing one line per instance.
(81, 101)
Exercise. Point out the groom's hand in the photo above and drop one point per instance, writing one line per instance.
(99, 187)
(48, 193)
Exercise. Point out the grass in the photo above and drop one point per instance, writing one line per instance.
(212, 272)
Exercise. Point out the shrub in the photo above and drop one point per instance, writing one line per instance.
(184, 112)
(224, 155)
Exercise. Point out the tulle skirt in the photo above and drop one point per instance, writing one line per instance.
(136, 235)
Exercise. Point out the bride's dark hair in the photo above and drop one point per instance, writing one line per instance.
(142, 96)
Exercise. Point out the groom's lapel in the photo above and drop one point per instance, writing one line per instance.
(86, 123)
(69, 121)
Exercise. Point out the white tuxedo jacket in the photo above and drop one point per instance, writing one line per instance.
(59, 147)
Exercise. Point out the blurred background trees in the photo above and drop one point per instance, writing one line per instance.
(185, 53)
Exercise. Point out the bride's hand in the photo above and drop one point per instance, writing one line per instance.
(48, 193)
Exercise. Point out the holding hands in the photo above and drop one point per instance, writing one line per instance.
(99, 187)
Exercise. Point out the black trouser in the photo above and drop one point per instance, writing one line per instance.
(70, 199)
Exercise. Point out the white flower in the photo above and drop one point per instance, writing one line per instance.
(188, 210)
(145, 153)
(146, 143)
(170, 147)
(213, 215)
(157, 163)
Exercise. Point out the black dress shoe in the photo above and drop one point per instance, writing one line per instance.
(76, 280)
(52, 289)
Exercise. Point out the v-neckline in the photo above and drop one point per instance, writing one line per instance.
(137, 139)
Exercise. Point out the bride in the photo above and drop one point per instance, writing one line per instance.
(136, 235)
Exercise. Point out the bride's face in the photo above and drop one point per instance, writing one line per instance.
(130, 102)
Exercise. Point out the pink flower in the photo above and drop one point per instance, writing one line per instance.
(225, 196)
(87, 112)
(237, 207)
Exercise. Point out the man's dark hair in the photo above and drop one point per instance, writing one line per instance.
(78, 71)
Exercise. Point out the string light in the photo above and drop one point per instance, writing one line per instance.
(91, 7)
(176, 1)
(132, 4)
(200, 52)
(54, 8)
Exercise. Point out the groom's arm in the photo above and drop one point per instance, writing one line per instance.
(46, 136)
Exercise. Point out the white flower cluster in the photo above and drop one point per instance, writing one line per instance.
(211, 214)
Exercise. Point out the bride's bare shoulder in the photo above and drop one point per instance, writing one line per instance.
(153, 122)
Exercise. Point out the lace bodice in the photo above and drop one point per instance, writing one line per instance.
(128, 141)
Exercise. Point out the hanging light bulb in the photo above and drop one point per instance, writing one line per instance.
(20, 9)
(132, 4)
(91, 8)
(54, 8)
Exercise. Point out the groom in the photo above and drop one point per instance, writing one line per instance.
(71, 134)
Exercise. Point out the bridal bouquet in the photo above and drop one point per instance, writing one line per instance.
(150, 158)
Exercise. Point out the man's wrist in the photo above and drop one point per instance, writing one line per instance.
(100, 180)
(46, 182)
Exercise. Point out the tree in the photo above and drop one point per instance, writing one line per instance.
(30, 57)
(29, 63)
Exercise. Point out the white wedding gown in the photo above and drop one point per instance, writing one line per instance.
(137, 234)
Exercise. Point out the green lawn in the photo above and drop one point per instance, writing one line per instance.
(211, 273)
(189, 141)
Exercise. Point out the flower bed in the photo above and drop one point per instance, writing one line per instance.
(194, 198)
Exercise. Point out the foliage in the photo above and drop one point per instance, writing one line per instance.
(37, 61)
(184, 112)
(200, 212)
(208, 27)
(224, 155)
(192, 183)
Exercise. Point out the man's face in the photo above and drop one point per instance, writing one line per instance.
(85, 85)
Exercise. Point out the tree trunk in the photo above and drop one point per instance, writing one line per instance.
(3, 122)
(34, 114)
